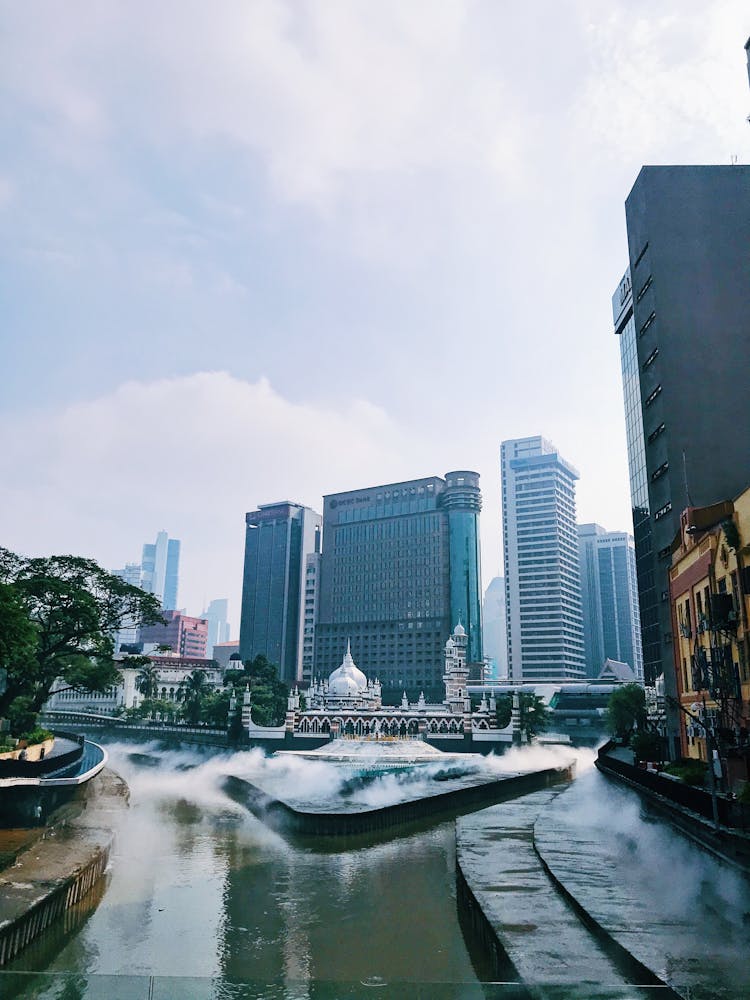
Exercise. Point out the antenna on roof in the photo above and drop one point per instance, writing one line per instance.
(685, 477)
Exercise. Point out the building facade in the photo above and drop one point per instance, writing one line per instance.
(495, 639)
(400, 562)
(542, 583)
(682, 317)
(609, 597)
(160, 569)
(278, 538)
(216, 615)
(710, 608)
(186, 636)
(349, 704)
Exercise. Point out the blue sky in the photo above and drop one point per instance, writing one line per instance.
(257, 250)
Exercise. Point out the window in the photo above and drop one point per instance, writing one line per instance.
(650, 359)
(652, 396)
(666, 552)
(658, 473)
(663, 511)
(644, 287)
(647, 324)
(639, 258)
(655, 433)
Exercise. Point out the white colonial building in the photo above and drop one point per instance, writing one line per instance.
(348, 704)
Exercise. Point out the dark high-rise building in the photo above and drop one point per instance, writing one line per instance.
(400, 567)
(682, 315)
(278, 537)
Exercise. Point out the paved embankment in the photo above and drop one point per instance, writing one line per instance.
(465, 794)
(639, 883)
(687, 808)
(59, 869)
(516, 913)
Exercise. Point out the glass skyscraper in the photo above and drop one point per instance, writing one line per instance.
(609, 592)
(542, 582)
(681, 312)
(160, 569)
(278, 537)
(400, 567)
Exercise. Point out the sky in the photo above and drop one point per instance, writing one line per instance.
(266, 250)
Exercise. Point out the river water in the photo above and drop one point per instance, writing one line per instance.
(205, 897)
(199, 888)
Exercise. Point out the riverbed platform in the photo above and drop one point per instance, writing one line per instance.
(451, 795)
(58, 870)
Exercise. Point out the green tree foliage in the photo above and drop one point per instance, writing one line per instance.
(74, 609)
(269, 694)
(215, 708)
(147, 680)
(534, 714)
(192, 692)
(647, 746)
(503, 709)
(626, 710)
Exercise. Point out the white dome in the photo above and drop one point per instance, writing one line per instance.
(347, 680)
(459, 629)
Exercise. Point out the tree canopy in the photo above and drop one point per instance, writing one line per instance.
(58, 619)
(626, 710)
(269, 694)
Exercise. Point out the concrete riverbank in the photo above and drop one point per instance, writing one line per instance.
(689, 809)
(56, 871)
(651, 892)
(511, 907)
(468, 793)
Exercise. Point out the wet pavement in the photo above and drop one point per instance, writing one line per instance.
(545, 941)
(677, 909)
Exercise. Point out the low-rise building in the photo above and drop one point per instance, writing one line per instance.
(710, 603)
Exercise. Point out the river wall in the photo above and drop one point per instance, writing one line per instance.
(287, 819)
(687, 808)
(57, 872)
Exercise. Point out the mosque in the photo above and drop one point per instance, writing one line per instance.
(348, 704)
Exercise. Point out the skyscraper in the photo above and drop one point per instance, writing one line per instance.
(277, 539)
(400, 567)
(218, 627)
(681, 312)
(493, 629)
(609, 593)
(160, 568)
(542, 582)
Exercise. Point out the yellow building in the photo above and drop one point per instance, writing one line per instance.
(710, 599)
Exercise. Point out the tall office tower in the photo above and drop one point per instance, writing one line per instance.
(310, 614)
(277, 539)
(160, 567)
(542, 582)
(128, 635)
(681, 312)
(609, 593)
(218, 627)
(400, 567)
(495, 640)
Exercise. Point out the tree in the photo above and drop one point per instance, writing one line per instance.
(269, 694)
(74, 608)
(193, 689)
(503, 709)
(534, 714)
(626, 710)
(147, 681)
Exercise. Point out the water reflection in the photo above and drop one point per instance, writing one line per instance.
(201, 889)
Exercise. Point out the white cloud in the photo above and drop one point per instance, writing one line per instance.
(188, 454)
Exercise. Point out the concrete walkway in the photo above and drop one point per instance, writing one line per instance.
(59, 868)
(673, 907)
(545, 941)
